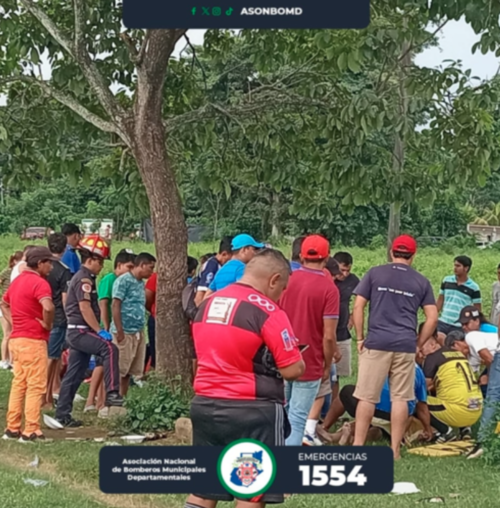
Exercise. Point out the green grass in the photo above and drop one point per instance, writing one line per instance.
(72, 468)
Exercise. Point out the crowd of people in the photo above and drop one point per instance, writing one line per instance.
(272, 338)
(58, 330)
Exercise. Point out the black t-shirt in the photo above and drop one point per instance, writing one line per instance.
(346, 288)
(82, 288)
(59, 279)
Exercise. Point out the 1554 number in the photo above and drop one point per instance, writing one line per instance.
(335, 476)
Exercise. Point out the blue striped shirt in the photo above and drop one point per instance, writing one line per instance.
(456, 297)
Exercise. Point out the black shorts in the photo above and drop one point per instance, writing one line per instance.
(218, 422)
(446, 328)
(350, 404)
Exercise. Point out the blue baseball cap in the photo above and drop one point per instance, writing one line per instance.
(241, 241)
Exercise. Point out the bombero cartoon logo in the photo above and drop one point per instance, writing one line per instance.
(246, 468)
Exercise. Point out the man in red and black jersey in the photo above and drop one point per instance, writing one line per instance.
(245, 347)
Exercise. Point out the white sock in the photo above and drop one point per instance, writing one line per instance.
(311, 427)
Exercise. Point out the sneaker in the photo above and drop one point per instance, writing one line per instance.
(69, 422)
(310, 440)
(446, 438)
(476, 452)
(5, 365)
(114, 399)
(89, 409)
(465, 434)
(9, 434)
(31, 438)
(78, 398)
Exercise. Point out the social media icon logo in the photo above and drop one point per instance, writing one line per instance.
(216, 11)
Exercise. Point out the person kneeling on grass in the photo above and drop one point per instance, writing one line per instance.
(129, 318)
(477, 346)
(27, 306)
(455, 399)
(382, 416)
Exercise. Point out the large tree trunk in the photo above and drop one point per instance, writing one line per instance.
(173, 342)
(147, 133)
(398, 154)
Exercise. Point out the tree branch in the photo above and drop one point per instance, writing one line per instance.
(132, 49)
(67, 101)
(144, 47)
(79, 53)
(413, 47)
(48, 24)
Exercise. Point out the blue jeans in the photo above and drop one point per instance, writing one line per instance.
(492, 401)
(328, 398)
(56, 342)
(299, 396)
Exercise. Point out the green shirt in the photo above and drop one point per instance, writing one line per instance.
(105, 291)
(132, 294)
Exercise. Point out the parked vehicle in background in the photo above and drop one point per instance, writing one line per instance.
(103, 227)
(35, 233)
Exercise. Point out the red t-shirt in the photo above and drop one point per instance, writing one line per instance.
(151, 285)
(241, 339)
(311, 297)
(24, 296)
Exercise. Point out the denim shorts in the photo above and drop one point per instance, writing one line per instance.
(56, 342)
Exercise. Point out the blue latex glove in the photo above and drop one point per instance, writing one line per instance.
(105, 335)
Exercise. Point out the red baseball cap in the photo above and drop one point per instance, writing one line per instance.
(404, 243)
(315, 247)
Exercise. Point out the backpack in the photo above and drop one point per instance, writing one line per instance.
(188, 294)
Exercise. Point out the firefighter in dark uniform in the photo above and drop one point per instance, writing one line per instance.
(85, 336)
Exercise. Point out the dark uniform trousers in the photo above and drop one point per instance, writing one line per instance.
(83, 343)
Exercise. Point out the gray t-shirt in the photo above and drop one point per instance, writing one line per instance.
(395, 292)
(495, 304)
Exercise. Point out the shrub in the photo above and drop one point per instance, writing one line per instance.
(378, 242)
(154, 407)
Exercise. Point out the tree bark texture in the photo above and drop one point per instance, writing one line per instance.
(148, 146)
(398, 155)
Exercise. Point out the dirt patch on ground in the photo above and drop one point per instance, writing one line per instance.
(76, 434)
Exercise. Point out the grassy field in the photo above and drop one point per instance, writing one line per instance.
(71, 468)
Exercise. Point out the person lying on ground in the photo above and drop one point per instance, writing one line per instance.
(347, 402)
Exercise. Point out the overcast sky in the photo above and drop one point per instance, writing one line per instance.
(456, 40)
(455, 43)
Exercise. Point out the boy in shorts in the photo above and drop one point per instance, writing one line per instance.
(129, 318)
